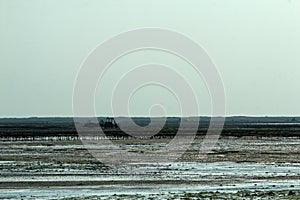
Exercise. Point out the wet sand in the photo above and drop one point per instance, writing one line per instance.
(245, 167)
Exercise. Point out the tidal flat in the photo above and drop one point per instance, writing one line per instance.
(238, 167)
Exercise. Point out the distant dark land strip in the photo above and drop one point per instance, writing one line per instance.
(234, 126)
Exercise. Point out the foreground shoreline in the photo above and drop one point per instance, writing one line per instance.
(238, 167)
(283, 194)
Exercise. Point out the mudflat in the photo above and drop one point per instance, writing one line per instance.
(246, 167)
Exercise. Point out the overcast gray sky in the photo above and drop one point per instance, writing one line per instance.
(255, 45)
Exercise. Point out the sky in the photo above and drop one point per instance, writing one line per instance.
(254, 44)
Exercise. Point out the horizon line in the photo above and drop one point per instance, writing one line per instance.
(142, 116)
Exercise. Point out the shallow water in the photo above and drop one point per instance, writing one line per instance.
(66, 163)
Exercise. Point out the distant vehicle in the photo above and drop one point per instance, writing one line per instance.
(110, 123)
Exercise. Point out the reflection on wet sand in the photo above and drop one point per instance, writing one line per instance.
(61, 169)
